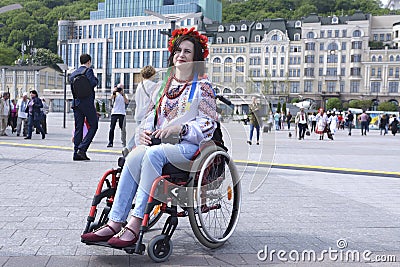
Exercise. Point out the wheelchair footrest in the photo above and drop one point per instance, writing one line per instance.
(129, 250)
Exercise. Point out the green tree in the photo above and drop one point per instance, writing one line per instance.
(295, 100)
(388, 106)
(334, 102)
(362, 104)
(44, 57)
(284, 108)
(7, 54)
(278, 109)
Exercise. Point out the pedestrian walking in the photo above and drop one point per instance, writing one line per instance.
(4, 113)
(34, 114)
(349, 120)
(301, 121)
(288, 120)
(322, 122)
(363, 118)
(22, 119)
(143, 95)
(13, 116)
(382, 124)
(254, 120)
(118, 112)
(333, 122)
(277, 119)
(84, 108)
(394, 125)
(313, 119)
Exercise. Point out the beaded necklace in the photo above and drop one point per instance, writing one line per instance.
(174, 93)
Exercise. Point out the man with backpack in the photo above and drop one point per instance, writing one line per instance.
(83, 82)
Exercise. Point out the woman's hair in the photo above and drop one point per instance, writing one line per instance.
(198, 58)
(147, 72)
(34, 92)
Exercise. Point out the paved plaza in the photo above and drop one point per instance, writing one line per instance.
(335, 198)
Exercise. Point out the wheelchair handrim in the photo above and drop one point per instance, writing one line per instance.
(234, 175)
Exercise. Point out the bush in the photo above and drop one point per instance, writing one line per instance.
(362, 104)
(278, 109)
(295, 100)
(387, 106)
(334, 102)
(97, 106)
(284, 108)
(103, 107)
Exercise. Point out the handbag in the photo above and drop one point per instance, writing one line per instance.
(308, 132)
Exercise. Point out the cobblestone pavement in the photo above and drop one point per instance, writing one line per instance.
(317, 196)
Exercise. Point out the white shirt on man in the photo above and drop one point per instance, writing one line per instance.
(119, 105)
(21, 106)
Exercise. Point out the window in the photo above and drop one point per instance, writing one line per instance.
(266, 61)
(221, 28)
(356, 45)
(357, 33)
(258, 26)
(329, 33)
(321, 46)
(230, 40)
(343, 59)
(294, 87)
(331, 71)
(146, 58)
(322, 34)
(397, 58)
(242, 39)
(375, 87)
(310, 35)
(344, 45)
(309, 72)
(310, 46)
(379, 74)
(308, 86)
(342, 71)
(282, 60)
(275, 37)
(309, 59)
(390, 72)
(274, 49)
(337, 33)
(282, 49)
(375, 37)
(354, 86)
(379, 58)
(118, 59)
(331, 86)
(240, 64)
(373, 72)
(355, 71)
(393, 87)
(332, 58)
(382, 37)
(257, 38)
(243, 27)
(319, 86)
(296, 36)
(356, 58)
(321, 59)
(232, 28)
(344, 33)
(216, 65)
(127, 60)
(332, 46)
(156, 59)
(391, 58)
(388, 37)
(219, 40)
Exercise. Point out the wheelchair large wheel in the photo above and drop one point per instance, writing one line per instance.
(214, 199)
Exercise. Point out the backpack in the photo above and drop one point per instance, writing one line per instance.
(81, 87)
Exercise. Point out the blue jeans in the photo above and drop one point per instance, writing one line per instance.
(143, 165)
(251, 132)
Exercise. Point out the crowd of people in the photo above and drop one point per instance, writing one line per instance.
(329, 122)
(23, 115)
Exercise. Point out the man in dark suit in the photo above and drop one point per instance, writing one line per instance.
(84, 108)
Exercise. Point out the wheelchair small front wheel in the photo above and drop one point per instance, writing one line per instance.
(158, 249)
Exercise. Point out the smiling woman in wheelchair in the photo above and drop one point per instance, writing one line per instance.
(184, 105)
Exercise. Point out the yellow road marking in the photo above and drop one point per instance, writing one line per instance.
(241, 162)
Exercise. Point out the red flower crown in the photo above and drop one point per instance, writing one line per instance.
(192, 32)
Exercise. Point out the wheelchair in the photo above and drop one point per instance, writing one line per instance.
(208, 192)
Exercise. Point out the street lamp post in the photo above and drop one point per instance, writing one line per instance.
(64, 68)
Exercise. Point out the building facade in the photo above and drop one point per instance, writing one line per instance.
(46, 81)
(315, 58)
(121, 39)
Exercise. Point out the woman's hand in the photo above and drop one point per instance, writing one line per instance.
(167, 131)
(144, 138)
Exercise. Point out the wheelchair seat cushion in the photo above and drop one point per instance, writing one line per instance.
(176, 175)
